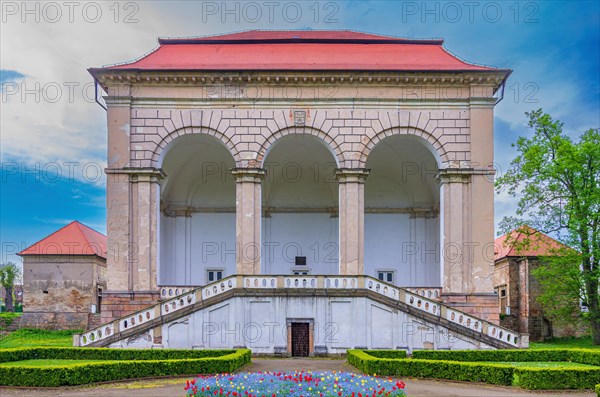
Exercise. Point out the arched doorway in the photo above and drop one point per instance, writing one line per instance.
(402, 227)
(300, 207)
(197, 223)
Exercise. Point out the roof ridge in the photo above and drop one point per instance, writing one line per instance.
(241, 37)
(80, 225)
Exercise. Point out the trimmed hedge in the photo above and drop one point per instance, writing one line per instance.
(497, 374)
(135, 364)
(88, 353)
(555, 379)
(463, 365)
(388, 353)
(582, 356)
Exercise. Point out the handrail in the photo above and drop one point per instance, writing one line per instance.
(414, 300)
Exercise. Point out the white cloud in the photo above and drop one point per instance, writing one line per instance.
(50, 115)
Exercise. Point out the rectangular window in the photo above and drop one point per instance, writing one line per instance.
(503, 300)
(387, 277)
(300, 261)
(300, 272)
(214, 275)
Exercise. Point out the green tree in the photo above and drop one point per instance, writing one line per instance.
(557, 180)
(9, 273)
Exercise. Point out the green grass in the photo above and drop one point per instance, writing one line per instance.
(547, 364)
(37, 338)
(565, 343)
(50, 363)
(7, 318)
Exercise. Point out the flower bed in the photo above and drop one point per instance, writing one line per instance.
(296, 384)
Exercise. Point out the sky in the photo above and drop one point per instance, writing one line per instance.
(53, 134)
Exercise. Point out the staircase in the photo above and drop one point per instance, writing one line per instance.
(429, 311)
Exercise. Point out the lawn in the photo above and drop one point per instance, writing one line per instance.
(37, 338)
(6, 318)
(565, 343)
(50, 363)
(543, 364)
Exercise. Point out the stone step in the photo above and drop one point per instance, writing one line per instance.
(430, 312)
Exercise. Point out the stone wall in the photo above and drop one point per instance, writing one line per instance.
(118, 304)
(59, 290)
(526, 313)
(336, 325)
(55, 320)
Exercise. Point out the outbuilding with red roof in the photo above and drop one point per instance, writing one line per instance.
(516, 254)
(64, 275)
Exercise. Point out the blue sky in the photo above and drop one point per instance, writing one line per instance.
(53, 143)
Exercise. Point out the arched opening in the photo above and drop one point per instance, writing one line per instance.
(402, 222)
(197, 223)
(300, 208)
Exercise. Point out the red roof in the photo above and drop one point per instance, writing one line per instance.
(539, 244)
(73, 239)
(300, 50)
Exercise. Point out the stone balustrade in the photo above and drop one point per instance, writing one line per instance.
(416, 298)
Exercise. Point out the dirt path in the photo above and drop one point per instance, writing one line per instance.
(174, 387)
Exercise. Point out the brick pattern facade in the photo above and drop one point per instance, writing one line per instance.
(150, 110)
(350, 134)
(117, 305)
(484, 306)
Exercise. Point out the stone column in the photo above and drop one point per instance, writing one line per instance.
(134, 265)
(467, 280)
(454, 229)
(146, 211)
(352, 220)
(248, 217)
(117, 189)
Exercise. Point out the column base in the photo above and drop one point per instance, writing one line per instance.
(118, 304)
(484, 306)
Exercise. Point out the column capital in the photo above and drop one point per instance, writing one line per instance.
(462, 175)
(253, 175)
(148, 174)
(352, 175)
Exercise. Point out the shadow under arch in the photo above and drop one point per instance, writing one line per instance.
(176, 136)
(199, 158)
(429, 141)
(274, 139)
(197, 223)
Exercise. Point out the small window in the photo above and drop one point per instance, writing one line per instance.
(214, 275)
(503, 301)
(387, 277)
(300, 273)
(300, 261)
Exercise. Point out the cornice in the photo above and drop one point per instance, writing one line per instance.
(107, 77)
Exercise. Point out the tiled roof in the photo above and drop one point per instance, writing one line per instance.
(73, 239)
(539, 244)
(299, 50)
